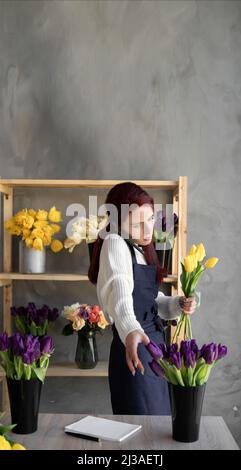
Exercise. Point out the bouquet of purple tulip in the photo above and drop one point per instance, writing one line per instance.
(25, 356)
(165, 228)
(188, 365)
(33, 320)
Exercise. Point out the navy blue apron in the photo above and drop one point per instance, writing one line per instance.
(139, 394)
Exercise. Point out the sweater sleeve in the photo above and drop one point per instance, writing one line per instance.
(115, 293)
(168, 306)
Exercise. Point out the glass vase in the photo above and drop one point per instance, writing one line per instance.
(86, 356)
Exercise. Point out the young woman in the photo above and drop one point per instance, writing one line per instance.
(127, 274)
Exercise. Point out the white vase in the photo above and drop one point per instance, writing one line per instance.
(31, 260)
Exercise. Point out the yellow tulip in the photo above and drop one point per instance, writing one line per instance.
(42, 215)
(32, 212)
(9, 224)
(55, 228)
(102, 323)
(54, 215)
(192, 250)
(211, 262)
(4, 444)
(47, 229)
(17, 446)
(26, 233)
(38, 244)
(189, 263)
(200, 252)
(15, 230)
(29, 242)
(56, 246)
(46, 239)
(25, 220)
(195, 260)
(40, 223)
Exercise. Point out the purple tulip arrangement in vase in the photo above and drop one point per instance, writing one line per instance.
(33, 320)
(186, 369)
(25, 359)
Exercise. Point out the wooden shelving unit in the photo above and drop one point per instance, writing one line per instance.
(178, 189)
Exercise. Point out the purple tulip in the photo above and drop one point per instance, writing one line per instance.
(222, 351)
(185, 347)
(156, 368)
(210, 353)
(4, 342)
(163, 224)
(154, 350)
(32, 312)
(46, 344)
(175, 359)
(173, 348)
(16, 344)
(189, 359)
(53, 314)
(163, 348)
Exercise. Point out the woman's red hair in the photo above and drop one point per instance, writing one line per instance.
(125, 193)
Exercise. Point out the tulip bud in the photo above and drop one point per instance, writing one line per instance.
(211, 262)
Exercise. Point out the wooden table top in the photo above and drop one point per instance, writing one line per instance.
(155, 434)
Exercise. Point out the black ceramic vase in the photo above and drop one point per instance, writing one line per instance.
(24, 397)
(86, 356)
(186, 407)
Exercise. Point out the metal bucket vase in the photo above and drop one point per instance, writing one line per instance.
(24, 397)
(186, 407)
(31, 260)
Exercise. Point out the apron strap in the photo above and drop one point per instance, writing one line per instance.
(133, 255)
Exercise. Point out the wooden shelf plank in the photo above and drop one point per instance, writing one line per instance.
(57, 277)
(69, 369)
(40, 183)
(44, 276)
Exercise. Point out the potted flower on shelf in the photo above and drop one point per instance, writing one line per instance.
(86, 320)
(184, 365)
(37, 230)
(25, 359)
(85, 229)
(33, 320)
(164, 233)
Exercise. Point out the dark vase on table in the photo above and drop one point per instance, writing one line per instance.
(186, 408)
(86, 356)
(24, 397)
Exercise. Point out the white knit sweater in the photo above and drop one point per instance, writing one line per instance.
(115, 285)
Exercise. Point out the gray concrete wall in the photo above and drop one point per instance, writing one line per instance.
(129, 89)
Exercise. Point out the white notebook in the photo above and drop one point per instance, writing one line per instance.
(102, 428)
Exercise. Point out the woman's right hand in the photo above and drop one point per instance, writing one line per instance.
(132, 340)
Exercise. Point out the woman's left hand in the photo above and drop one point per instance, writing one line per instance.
(188, 304)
